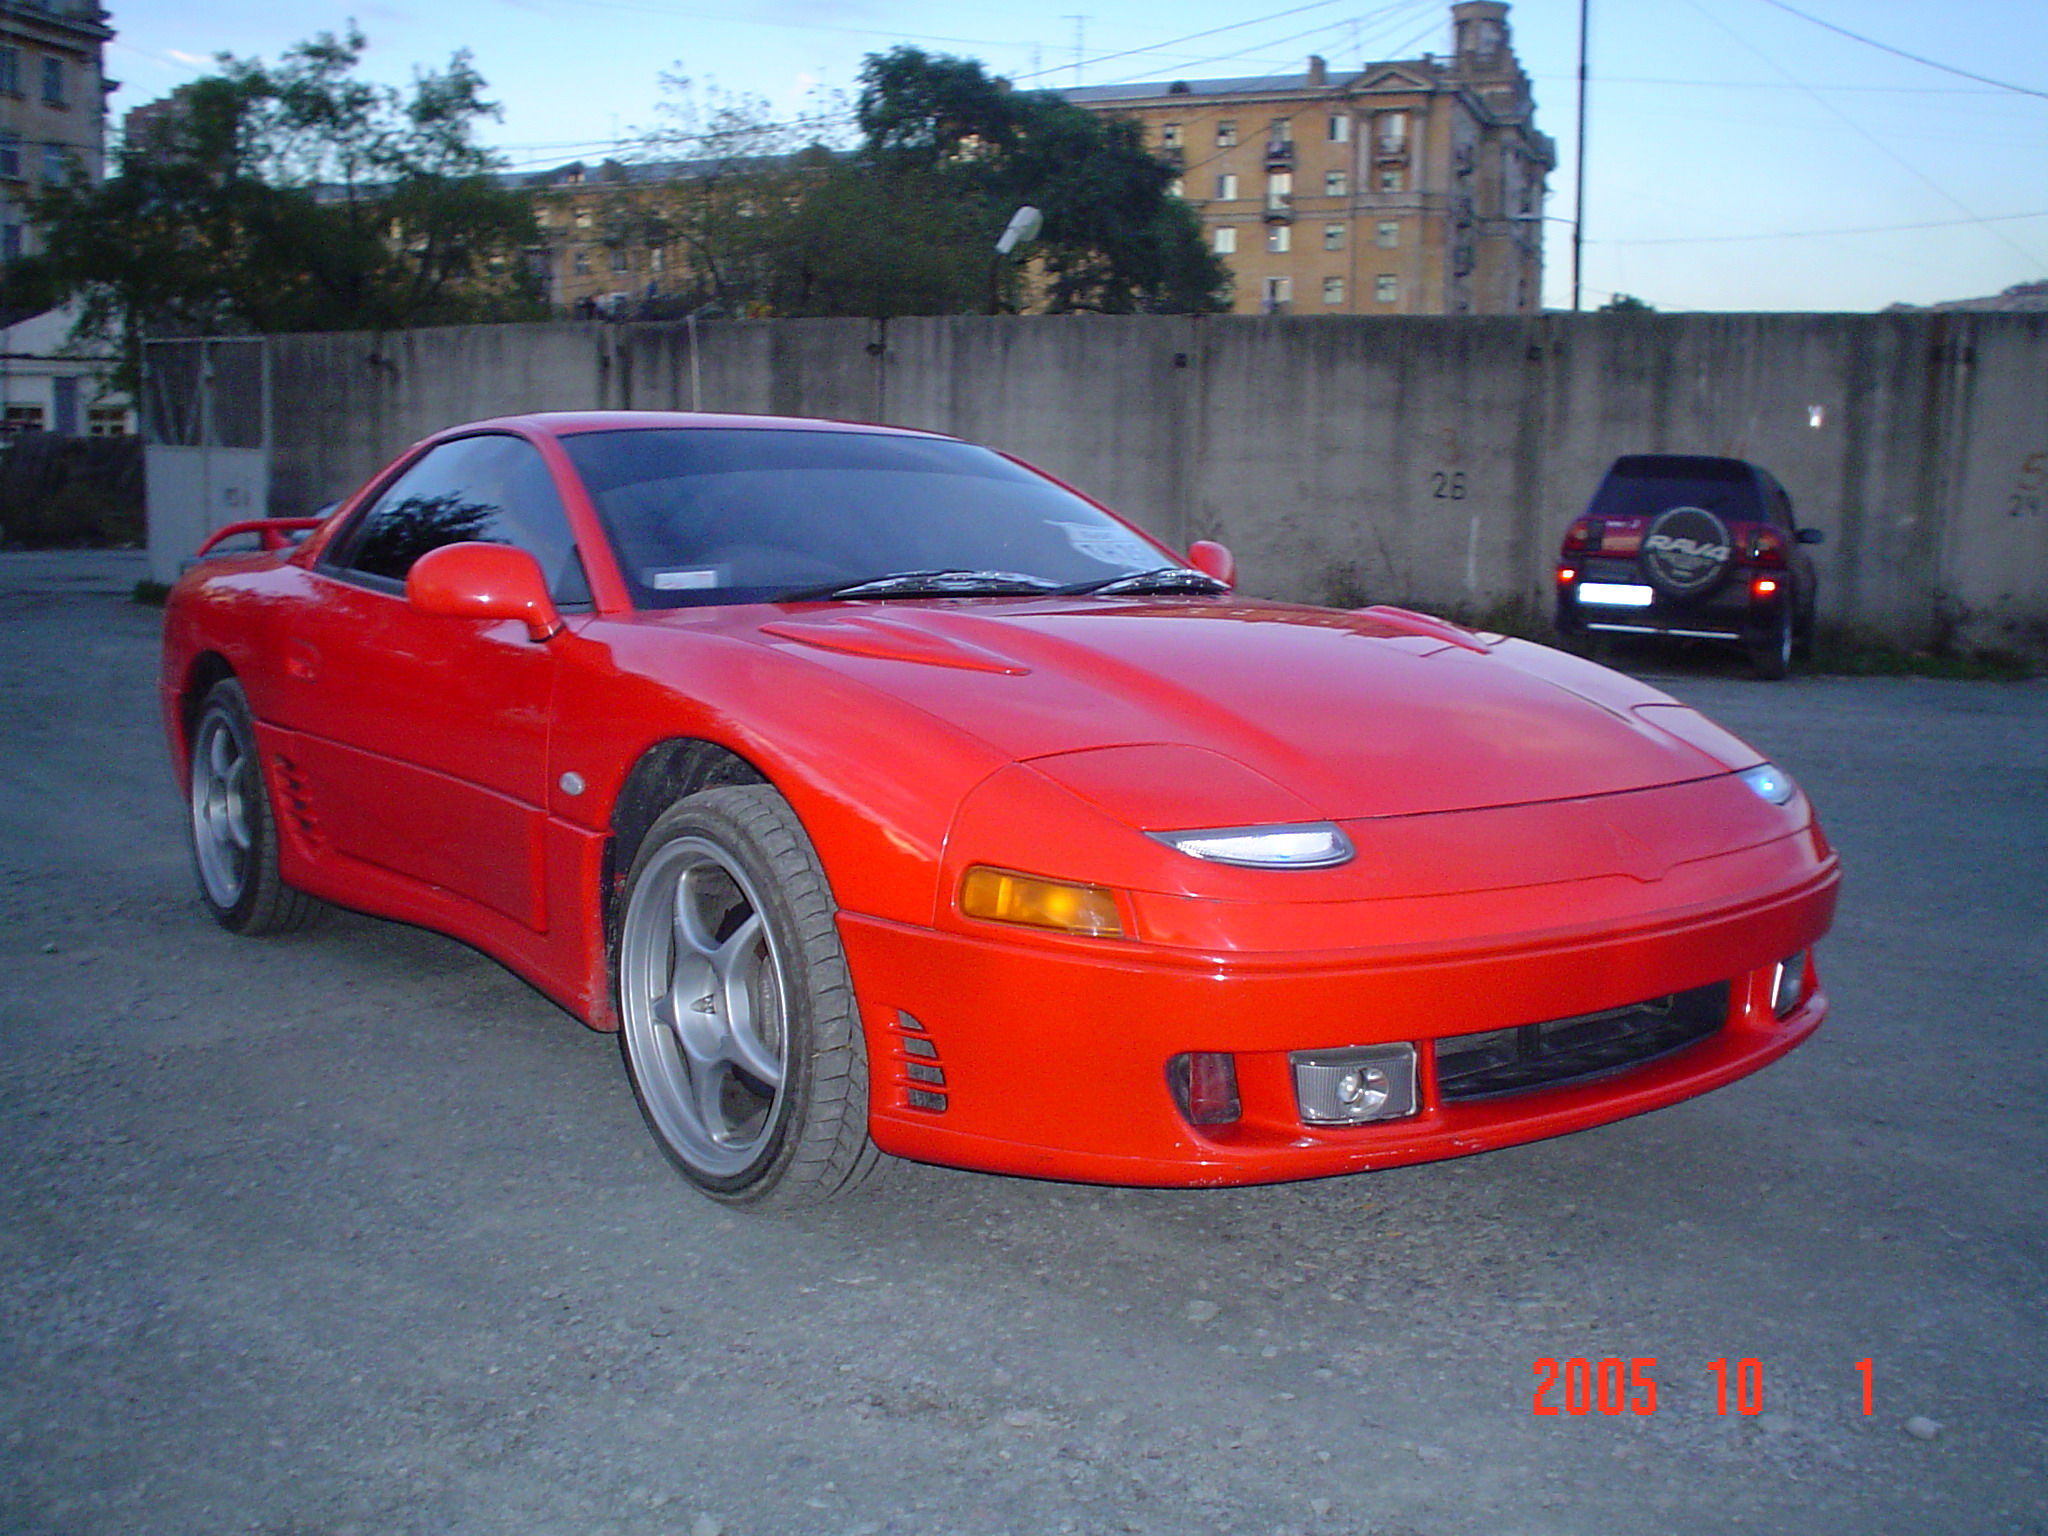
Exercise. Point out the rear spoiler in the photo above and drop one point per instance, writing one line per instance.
(272, 530)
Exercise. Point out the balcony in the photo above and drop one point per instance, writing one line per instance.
(1393, 150)
(1279, 208)
(1279, 154)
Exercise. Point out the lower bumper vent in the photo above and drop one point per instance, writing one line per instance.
(1568, 1050)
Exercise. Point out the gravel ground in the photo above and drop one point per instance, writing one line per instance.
(354, 1233)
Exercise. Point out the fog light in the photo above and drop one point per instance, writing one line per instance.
(1351, 1087)
(1788, 986)
(1204, 1085)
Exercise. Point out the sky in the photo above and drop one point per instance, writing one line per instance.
(1739, 156)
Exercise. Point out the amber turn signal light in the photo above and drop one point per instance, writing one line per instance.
(1004, 896)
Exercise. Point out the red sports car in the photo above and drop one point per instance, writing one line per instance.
(888, 796)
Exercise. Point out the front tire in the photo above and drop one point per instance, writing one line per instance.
(233, 827)
(738, 1025)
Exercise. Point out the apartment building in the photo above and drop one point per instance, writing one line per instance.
(1409, 187)
(53, 104)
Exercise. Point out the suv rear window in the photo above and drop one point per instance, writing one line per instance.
(1642, 485)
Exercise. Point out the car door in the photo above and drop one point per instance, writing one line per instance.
(423, 740)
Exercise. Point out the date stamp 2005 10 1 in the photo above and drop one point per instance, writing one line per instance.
(1579, 1386)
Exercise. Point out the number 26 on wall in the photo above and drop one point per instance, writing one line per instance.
(1448, 484)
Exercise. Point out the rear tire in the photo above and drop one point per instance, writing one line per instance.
(737, 1020)
(1772, 655)
(233, 828)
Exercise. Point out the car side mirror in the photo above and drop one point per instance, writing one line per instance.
(1212, 559)
(1812, 536)
(484, 581)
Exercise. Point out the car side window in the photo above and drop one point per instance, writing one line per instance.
(492, 489)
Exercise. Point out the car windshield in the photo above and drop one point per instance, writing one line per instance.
(737, 515)
(1646, 484)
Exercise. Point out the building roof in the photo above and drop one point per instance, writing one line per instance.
(2027, 297)
(1243, 85)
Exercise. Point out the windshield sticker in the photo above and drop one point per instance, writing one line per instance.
(684, 581)
(1108, 543)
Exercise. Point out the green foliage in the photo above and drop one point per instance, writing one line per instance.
(1115, 239)
(1628, 303)
(294, 196)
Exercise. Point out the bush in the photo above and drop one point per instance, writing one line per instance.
(67, 492)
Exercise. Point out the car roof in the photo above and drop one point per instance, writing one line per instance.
(574, 423)
(1680, 466)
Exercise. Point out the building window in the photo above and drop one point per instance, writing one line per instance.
(583, 218)
(1169, 135)
(1226, 133)
(1391, 131)
(1393, 181)
(1388, 235)
(1336, 184)
(10, 242)
(22, 418)
(1386, 288)
(1226, 186)
(1279, 238)
(1333, 237)
(10, 156)
(1280, 131)
(1225, 243)
(1279, 188)
(1279, 292)
(106, 421)
(56, 162)
(10, 71)
(1340, 128)
(53, 82)
(657, 259)
(1178, 187)
(619, 261)
(581, 262)
(1333, 290)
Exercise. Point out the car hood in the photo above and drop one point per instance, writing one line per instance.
(1343, 715)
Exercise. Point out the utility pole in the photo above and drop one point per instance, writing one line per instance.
(1579, 188)
(1080, 42)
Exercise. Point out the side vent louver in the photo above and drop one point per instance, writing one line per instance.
(297, 801)
(915, 1061)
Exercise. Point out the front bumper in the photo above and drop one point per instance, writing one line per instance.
(1047, 1056)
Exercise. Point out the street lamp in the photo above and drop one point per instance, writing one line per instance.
(1024, 225)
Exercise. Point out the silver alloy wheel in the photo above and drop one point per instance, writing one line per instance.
(702, 989)
(223, 779)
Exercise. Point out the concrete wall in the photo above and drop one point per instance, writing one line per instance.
(1426, 460)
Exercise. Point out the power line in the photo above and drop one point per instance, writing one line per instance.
(1781, 85)
(1950, 69)
(1815, 234)
(1174, 42)
(1883, 148)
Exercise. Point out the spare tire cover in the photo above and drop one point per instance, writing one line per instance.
(1686, 551)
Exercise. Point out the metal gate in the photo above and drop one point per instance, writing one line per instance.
(206, 441)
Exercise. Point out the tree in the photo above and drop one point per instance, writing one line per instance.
(1115, 240)
(1628, 303)
(295, 196)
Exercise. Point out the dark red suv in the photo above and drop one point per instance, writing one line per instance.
(1683, 545)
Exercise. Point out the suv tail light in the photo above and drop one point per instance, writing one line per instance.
(1765, 546)
(1588, 533)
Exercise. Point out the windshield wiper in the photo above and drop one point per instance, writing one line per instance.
(1167, 578)
(949, 583)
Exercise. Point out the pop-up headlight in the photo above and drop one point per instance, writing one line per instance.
(1307, 845)
(1770, 783)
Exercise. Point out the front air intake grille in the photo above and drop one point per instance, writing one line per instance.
(1568, 1050)
(915, 1057)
